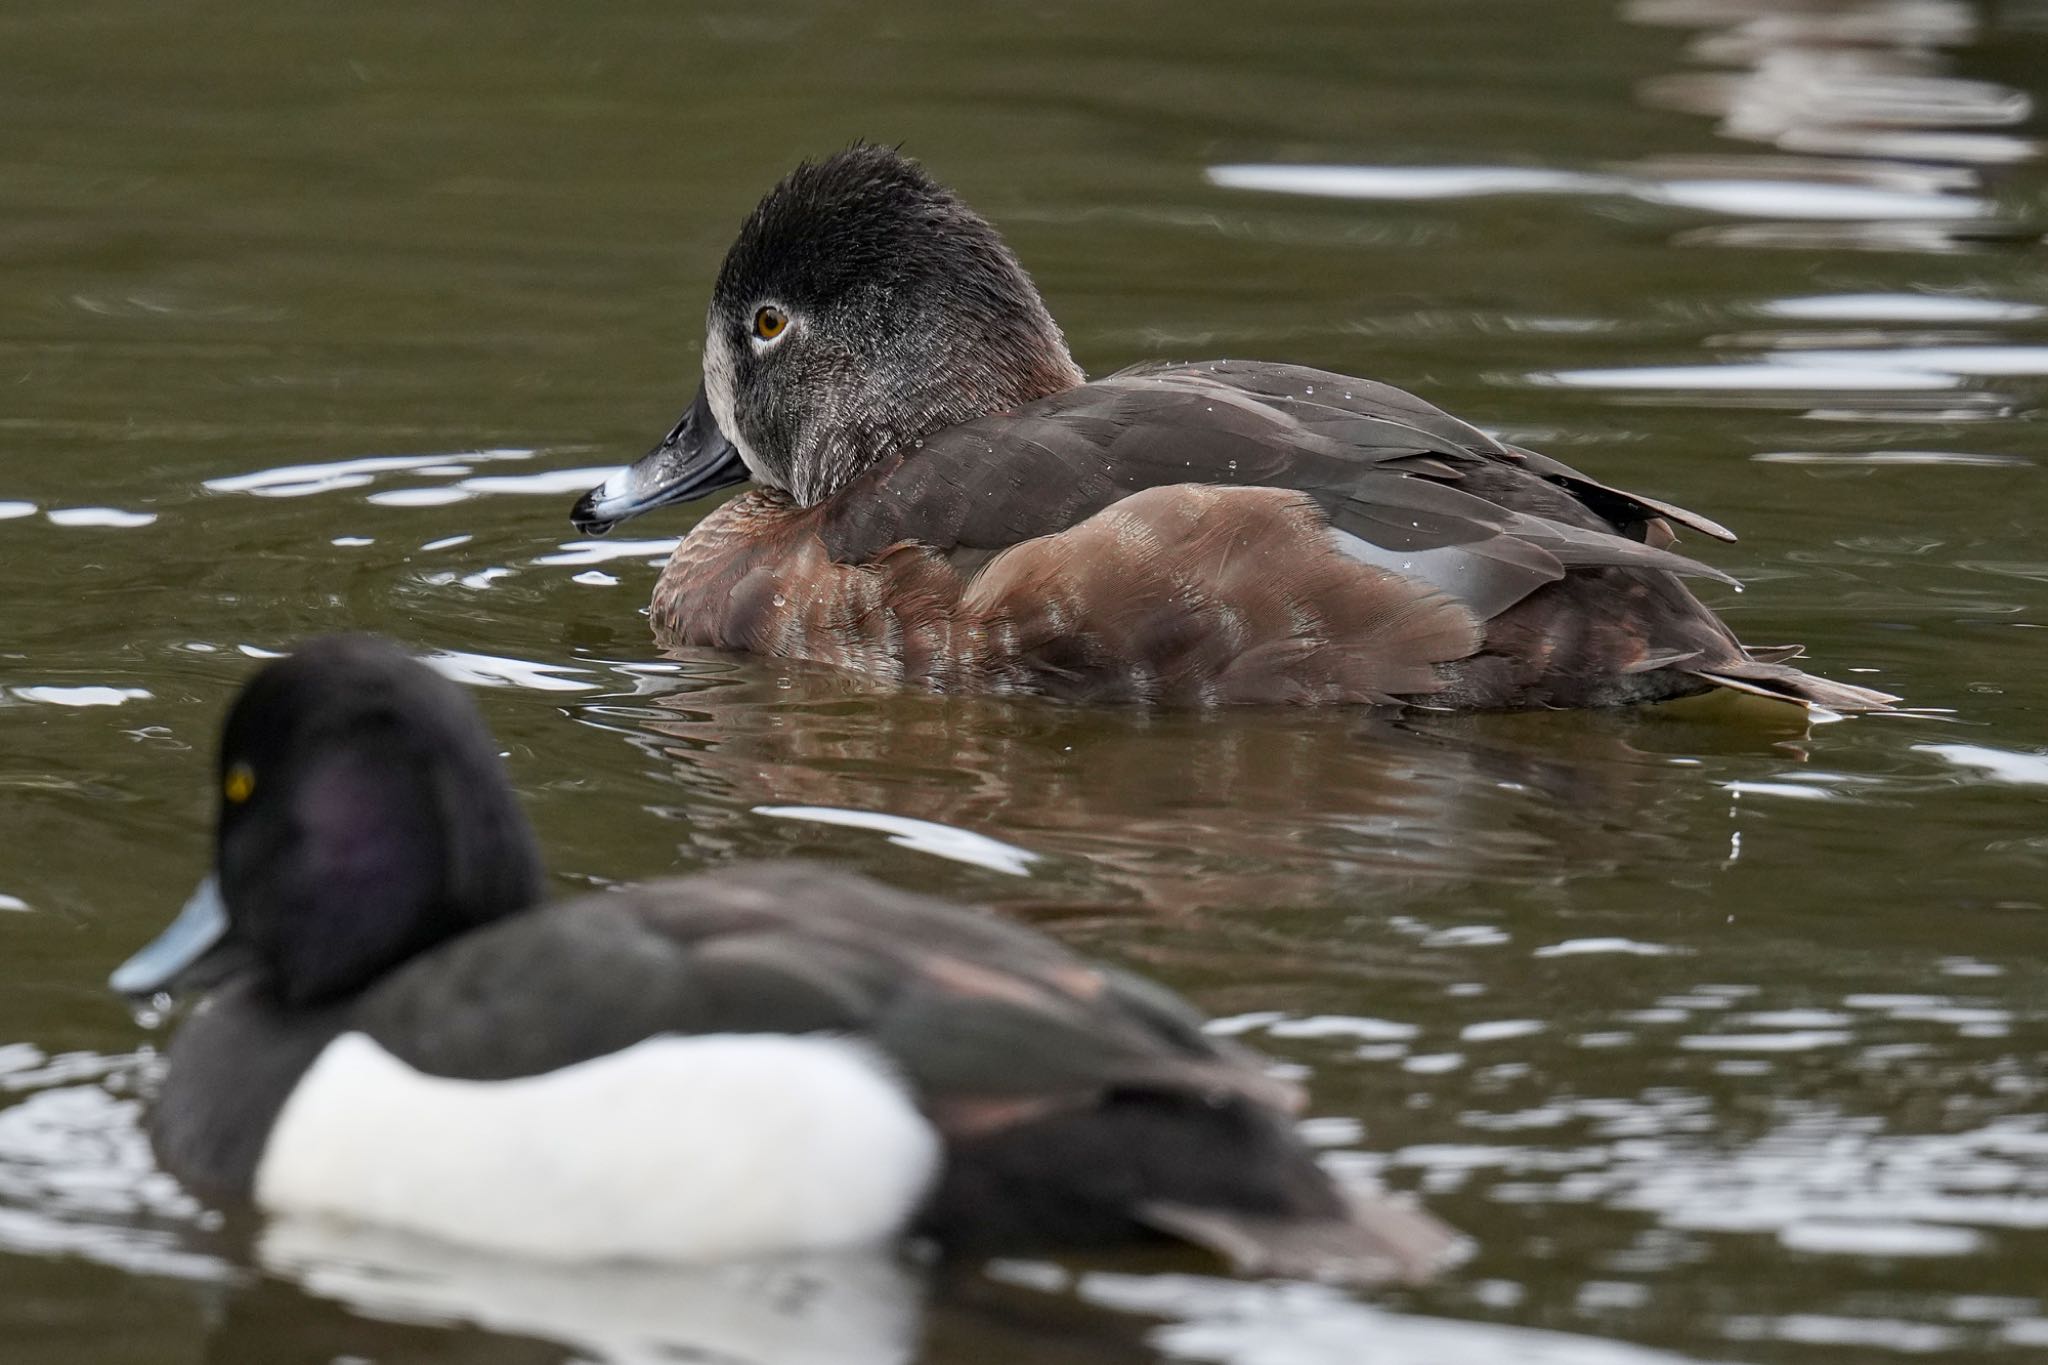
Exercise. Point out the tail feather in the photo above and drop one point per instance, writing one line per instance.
(1381, 1241)
(1782, 682)
(1773, 654)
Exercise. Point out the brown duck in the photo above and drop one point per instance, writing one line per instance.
(942, 498)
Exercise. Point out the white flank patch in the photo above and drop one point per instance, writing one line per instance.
(676, 1149)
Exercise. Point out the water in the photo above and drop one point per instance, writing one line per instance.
(1722, 1035)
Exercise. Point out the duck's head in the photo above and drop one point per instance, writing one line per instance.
(863, 307)
(363, 817)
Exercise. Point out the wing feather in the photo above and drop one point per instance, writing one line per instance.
(980, 1016)
(1385, 467)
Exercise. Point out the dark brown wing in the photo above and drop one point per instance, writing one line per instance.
(988, 1021)
(1417, 490)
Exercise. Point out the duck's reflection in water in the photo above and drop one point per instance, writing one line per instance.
(850, 1309)
(376, 1296)
(381, 1296)
(1183, 809)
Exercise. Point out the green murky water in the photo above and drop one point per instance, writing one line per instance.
(1724, 1037)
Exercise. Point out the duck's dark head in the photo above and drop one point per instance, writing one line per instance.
(364, 817)
(863, 307)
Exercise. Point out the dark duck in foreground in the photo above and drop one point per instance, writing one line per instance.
(760, 1060)
(942, 498)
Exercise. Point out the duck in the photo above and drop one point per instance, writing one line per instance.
(942, 499)
(396, 1032)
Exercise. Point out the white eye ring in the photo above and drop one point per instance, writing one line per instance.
(771, 325)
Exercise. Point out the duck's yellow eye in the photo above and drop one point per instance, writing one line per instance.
(240, 784)
(769, 322)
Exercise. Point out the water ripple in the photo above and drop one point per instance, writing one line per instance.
(1753, 196)
(77, 1179)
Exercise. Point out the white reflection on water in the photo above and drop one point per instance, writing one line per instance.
(1765, 198)
(1823, 1167)
(1869, 369)
(545, 483)
(853, 1309)
(1297, 1324)
(1828, 1237)
(1956, 458)
(919, 836)
(77, 1179)
(418, 497)
(1817, 1177)
(1575, 947)
(1793, 790)
(1926, 236)
(492, 670)
(301, 480)
(1792, 1040)
(1772, 375)
(1409, 182)
(81, 696)
(304, 480)
(2000, 765)
(1337, 1026)
(1829, 1329)
(111, 518)
(1900, 308)
(1951, 360)
(580, 552)
(1759, 196)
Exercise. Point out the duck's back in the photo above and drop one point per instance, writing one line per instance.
(1227, 532)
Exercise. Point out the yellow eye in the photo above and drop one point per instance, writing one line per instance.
(240, 784)
(769, 322)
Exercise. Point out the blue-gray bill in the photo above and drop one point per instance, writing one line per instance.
(172, 957)
(693, 461)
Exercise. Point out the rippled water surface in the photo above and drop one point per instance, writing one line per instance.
(1722, 1035)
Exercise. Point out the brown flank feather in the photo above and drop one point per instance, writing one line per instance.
(1186, 594)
